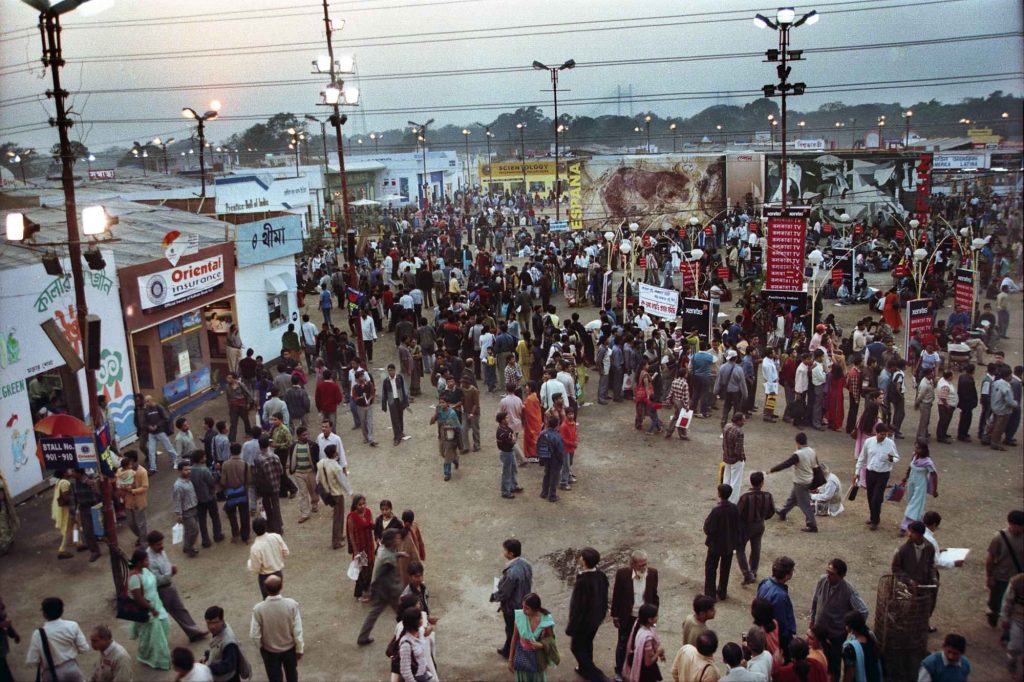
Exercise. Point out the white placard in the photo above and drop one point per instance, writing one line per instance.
(184, 364)
(659, 302)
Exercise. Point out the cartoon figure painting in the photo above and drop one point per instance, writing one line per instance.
(19, 441)
(10, 349)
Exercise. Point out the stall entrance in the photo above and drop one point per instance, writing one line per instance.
(55, 391)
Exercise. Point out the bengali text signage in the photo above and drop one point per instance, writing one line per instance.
(787, 232)
(659, 302)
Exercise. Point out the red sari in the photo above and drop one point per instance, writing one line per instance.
(834, 403)
(891, 311)
(532, 424)
(359, 531)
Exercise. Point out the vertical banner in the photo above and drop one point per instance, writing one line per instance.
(842, 269)
(697, 317)
(963, 292)
(919, 319)
(659, 302)
(787, 234)
(690, 271)
(923, 170)
(575, 196)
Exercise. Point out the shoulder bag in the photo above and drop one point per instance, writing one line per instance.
(1013, 555)
(128, 608)
(817, 475)
(49, 657)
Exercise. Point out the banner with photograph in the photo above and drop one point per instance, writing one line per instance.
(649, 189)
(659, 302)
(697, 317)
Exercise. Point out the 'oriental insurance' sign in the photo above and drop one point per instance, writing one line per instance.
(787, 232)
(179, 284)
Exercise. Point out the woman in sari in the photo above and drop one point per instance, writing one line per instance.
(891, 310)
(61, 511)
(152, 635)
(921, 480)
(523, 353)
(359, 528)
(644, 649)
(532, 420)
(570, 288)
(527, 657)
(834, 402)
(8, 517)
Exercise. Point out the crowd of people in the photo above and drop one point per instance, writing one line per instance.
(442, 286)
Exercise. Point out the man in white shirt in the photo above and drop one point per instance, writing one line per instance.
(875, 461)
(931, 521)
(818, 378)
(327, 437)
(642, 319)
(277, 629)
(550, 388)
(732, 654)
(309, 332)
(65, 641)
(266, 554)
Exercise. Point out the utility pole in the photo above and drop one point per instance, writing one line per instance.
(569, 64)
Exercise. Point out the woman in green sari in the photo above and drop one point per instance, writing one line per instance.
(152, 635)
(533, 642)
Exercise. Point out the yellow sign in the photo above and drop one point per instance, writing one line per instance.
(513, 170)
(575, 199)
(982, 135)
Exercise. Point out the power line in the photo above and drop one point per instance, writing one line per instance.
(28, 99)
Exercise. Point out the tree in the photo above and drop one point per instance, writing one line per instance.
(78, 151)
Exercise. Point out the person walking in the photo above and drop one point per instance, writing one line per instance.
(296, 399)
(644, 649)
(1002, 405)
(186, 507)
(722, 537)
(151, 634)
(133, 486)
(833, 598)
(158, 429)
(385, 585)
(332, 478)
(1004, 560)
(276, 627)
(164, 571)
(328, 396)
(775, 590)
(54, 648)
(635, 585)
(235, 480)
(225, 658)
(946, 396)
(733, 456)
(115, 664)
(415, 649)
(395, 401)
(266, 475)
(551, 452)
(803, 462)
(84, 498)
(506, 438)
(874, 464)
(240, 400)
(266, 554)
(359, 533)
(305, 456)
(755, 507)
(364, 394)
(921, 480)
(206, 493)
(587, 608)
(534, 631)
(515, 583)
(731, 385)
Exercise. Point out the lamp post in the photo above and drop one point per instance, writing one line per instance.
(771, 131)
(881, 129)
(815, 258)
(376, 140)
(522, 146)
(839, 125)
(296, 137)
(201, 120)
(647, 125)
(721, 137)
(785, 20)
(606, 296)
(469, 172)
(920, 255)
(421, 130)
(553, 70)
(488, 135)
(53, 59)
(138, 151)
(163, 146)
(323, 140)
(673, 127)
(19, 158)
(88, 160)
(906, 134)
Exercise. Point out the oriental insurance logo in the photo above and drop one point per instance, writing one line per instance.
(156, 290)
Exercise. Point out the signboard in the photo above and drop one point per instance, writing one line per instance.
(179, 284)
(690, 270)
(842, 269)
(558, 226)
(789, 300)
(787, 232)
(102, 174)
(923, 186)
(958, 161)
(260, 193)
(919, 319)
(67, 452)
(809, 144)
(266, 240)
(697, 317)
(575, 183)
(963, 291)
(659, 302)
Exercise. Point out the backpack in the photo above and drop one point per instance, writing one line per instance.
(543, 446)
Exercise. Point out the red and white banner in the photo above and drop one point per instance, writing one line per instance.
(787, 234)
(963, 292)
(919, 319)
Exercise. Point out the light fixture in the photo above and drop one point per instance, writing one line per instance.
(345, 63)
(188, 112)
(20, 227)
(351, 95)
(634, 227)
(914, 223)
(94, 259)
(694, 221)
(920, 255)
(609, 235)
(815, 257)
(761, 21)
(696, 254)
(978, 243)
(625, 247)
(323, 63)
(96, 221)
(332, 93)
(52, 265)
(215, 105)
(785, 16)
(811, 18)
(845, 217)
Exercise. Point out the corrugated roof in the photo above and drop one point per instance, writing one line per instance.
(140, 229)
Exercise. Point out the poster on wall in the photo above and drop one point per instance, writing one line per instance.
(787, 232)
(861, 185)
(26, 353)
(659, 302)
(697, 317)
(963, 292)
(651, 189)
(919, 319)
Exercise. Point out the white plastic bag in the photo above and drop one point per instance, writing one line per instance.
(356, 565)
(177, 534)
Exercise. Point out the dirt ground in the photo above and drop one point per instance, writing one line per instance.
(634, 491)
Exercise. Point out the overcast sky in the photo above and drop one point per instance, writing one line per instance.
(424, 39)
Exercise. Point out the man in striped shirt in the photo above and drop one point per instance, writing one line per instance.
(679, 396)
(853, 386)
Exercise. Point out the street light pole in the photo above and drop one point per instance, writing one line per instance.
(323, 141)
(488, 134)
(906, 137)
(785, 20)
(522, 147)
(647, 125)
(422, 138)
(469, 171)
(673, 127)
(201, 120)
(569, 64)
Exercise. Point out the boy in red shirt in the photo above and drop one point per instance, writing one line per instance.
(567, 429)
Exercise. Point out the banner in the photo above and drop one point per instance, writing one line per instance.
(659, 302)
(789, 300)
(919, 319)
(697, 317)
(787, 232)
(691, 271)
(923, 188)
(260, 193)
(575, 196)
(183, 283)
(842, 269)
(963, 291)
(266, 240)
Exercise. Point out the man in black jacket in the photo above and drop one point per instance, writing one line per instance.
(516, 582)
(587, 609)
(967, 400)
(625, 598)
(722, 528)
